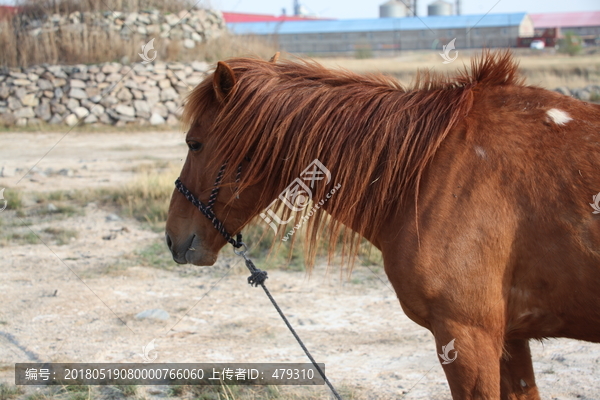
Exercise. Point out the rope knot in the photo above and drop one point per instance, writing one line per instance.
(258, 277)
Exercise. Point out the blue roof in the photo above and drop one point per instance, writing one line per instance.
(376, 24)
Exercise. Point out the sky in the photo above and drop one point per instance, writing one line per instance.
(344, 9)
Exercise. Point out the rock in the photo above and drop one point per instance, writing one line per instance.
(7, 172)
(112, 218)
(137, 94)
(583, 94)
(164, 83)
(124, 95)
(18, 75)
(92, 91)
(100, 77)
(22, 82)
(189, 43)
(127, 111)
(172, 120)
(171, 106)
(81, 112)
(156, 119)
(30, 100)
(7, 118)
(109, 101)
(161, 110)
(14, 103)
(58, 108)
(4, 92)
(114, 77)
(131, 84)
(59, 82)
(77, 83)
(56, 119)
(168, 94)
(51, 208)
(97, 110)
(90, 119)
(21, 122)
(71, 120)
(142, 108)
(171, 19)
(66, 172)
(77, 93)
(181, 75)
(44, 84)
(155, 313)
(20, 92)
(43, 111)
(109, 69)
(106, 119)
(25, 112)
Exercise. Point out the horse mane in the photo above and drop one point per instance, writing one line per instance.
(376, 136)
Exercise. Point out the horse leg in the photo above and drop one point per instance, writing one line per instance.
(516, 369)
(475, 372)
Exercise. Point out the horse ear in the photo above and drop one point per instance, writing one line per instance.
(223, 80)
(274, 58)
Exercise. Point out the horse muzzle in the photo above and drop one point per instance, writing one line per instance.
(190, 251)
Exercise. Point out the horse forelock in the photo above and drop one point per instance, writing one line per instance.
(374, 135)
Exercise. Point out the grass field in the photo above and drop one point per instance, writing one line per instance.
(546, 69)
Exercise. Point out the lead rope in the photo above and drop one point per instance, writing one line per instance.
(258, 277)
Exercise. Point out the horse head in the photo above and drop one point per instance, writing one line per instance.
(190, 235)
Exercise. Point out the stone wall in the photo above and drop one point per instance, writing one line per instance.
(588, 93)
(110, 93)
(190, 27)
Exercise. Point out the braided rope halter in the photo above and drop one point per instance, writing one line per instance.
(207, 209)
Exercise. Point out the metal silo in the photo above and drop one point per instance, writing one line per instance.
(439, 7)
(392, 9)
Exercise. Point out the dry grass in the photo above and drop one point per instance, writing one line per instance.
(65, 46)
(93, 44)
(81, 392)
(542, 69)
(35, 7)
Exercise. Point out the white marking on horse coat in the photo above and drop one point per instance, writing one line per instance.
(559, 117)
(480, 152)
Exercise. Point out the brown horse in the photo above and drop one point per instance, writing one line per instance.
(476, 189)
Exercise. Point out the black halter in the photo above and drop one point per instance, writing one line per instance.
(207, 209)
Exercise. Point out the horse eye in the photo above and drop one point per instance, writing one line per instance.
(194, 146)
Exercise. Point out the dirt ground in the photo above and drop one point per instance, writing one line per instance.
(76, 302)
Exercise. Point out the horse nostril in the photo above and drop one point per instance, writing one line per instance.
(169, 241)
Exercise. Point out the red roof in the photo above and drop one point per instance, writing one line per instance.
(568, 20)
(7, 11)
(231, 17)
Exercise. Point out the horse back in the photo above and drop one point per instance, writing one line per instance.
(503, 222)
